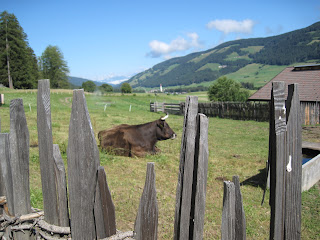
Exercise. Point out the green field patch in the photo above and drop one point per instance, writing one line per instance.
(313, 41)
(173, 66)
(202, 56)
(235, 56)
(256, 73)
(211, 66)
(252, 49)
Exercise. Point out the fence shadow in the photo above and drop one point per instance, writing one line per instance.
(258, 180)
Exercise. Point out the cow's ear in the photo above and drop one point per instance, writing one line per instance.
(160, 124)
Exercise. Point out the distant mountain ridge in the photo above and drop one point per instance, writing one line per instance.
(113, 81)
(298, 46)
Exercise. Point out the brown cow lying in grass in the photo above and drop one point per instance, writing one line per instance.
(135, 140)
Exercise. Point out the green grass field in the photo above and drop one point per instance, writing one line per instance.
(235, 148)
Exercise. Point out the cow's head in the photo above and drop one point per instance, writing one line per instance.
(164, 132)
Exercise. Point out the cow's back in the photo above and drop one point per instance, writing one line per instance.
(113, 140)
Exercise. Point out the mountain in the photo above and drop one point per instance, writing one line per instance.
(254, 60)
(113, 81)
(77, 81)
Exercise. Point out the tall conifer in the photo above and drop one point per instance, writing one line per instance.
(18, 64)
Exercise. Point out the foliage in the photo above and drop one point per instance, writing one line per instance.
(17, 59)
(297, 46)
(225, 90)
(126, 88)
(53, 66)
(89, 86)
(247, 85)
(106, 88)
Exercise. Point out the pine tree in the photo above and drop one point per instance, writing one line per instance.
(53, 66)
(18, 63)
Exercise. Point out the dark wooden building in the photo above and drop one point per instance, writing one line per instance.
(308, 78)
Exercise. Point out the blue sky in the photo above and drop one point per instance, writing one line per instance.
(107, 38)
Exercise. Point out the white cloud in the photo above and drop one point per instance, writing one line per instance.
(159, 48)
(232, 26)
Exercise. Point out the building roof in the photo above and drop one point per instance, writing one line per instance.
(307, 76)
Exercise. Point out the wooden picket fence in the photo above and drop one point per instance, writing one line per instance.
(256, 111)
(92, 213)
(171, 108)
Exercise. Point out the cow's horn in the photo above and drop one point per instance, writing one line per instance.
(165, 117)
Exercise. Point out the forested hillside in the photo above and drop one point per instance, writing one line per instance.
(298, 46)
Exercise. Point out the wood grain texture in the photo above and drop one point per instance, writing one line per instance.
(146, 224)
(6, 170)
(83, 162)
(240, 219)
(186, 167)
(202, 154)
(278, 160)
(60, 174)
(228, 212)
(19, 156)
(46, 160)
(293, 166)
(104, 211)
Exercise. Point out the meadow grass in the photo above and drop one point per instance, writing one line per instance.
(235, 148)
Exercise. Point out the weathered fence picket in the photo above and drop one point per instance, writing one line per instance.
(61, 181)
(6, 171)
(285, 163)
(277, 163)
(46, 160)
(233, 225)
(192, 176)
(19, 160)
(293, 166)
(104, 210)
(146, 224)
(200, 177)
(240, 221)
(83, 162)
(228, 212)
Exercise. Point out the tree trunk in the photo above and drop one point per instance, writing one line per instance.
(8, 61)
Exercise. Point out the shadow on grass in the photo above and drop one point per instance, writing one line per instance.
(258, 180)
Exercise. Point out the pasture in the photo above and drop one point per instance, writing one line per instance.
(235, 148)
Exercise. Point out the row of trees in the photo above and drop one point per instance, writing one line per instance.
(19, 66)
(90, 86)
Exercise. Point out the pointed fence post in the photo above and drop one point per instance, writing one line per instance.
(61, 181)
(146, 224)
(285, 163)
(83, 162)
(228, 212)
(293, 166)
(233, 224)
(104, 211)
(46, 153)
(277, 163)
(19, 156)
(240, 219)
(192, 178)
(200, 177)
(6, 170)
